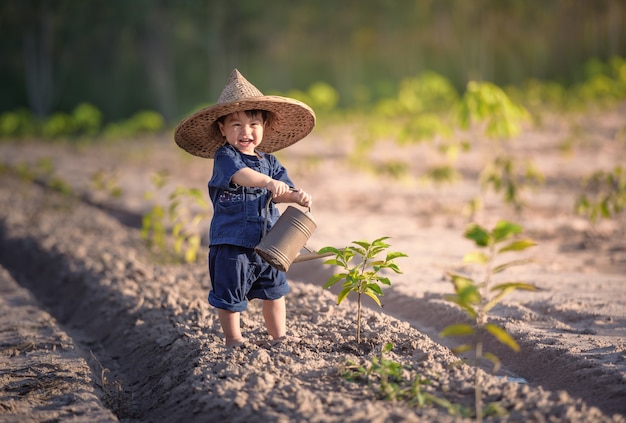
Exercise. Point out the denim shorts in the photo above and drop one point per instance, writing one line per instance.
(238, 274)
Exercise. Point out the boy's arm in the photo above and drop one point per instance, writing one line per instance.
(296, 196)
(282, 192)
(251, 178)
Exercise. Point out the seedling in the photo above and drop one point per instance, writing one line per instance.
(385, 373)
(153, 222)
(364, 277)
(106, 182)
(605, 195)
(392, 382)
(187, 209)
(510, 177)
(487, 104)
(43, 172)
(477, 299)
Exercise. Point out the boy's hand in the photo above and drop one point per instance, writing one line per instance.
(290, 195)
(278, 188)
(302, 198)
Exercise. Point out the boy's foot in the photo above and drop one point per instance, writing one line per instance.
(233, 343)
(286, 338)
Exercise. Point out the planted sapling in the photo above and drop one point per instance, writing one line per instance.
(364, 277)
(477, 299)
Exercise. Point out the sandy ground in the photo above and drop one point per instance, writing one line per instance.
(93, 329)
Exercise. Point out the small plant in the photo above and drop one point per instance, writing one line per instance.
(43, 172)
(153, 223)
(364, 277)
(142, 122)
(486, 103)
(25, 172)
(392, 382)
(510, 176)
(186, 210)
(114, 397)
(387, 374)
(605, 195)
(180, 219)
(477, 299)
(106, 182)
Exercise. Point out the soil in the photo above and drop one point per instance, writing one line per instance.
(93, 327)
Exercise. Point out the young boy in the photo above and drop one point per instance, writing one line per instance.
(243, 180)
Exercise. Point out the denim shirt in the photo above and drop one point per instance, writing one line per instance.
(238, 211)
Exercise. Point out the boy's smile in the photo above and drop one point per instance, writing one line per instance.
(243, 131)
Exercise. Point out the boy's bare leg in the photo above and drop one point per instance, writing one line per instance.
(275, 315)
(230, 321)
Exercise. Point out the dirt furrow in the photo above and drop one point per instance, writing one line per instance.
(40, 362)
(149, 329)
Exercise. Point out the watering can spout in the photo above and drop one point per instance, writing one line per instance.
(310, 255)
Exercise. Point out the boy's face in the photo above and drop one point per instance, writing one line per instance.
(243, 132)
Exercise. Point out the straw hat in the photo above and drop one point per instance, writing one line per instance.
(292, 120)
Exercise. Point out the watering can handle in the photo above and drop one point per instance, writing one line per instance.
(267, 211)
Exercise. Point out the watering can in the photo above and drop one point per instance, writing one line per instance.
(281, 246)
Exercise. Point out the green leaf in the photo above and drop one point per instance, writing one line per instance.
(343, 294)
(176, 229)
(379, 241)
(334, 279)
(459, 329)
(504, 230)
(349, 283)
(375, 288)
(394, 267)
(329, 250)
(190, 255)
(195, 192)
(462, 349)
(464, 305)
(515, 285)
(395, 255)
(466, 289)
(197, 219)
(519, 245)
(460, 281)
(505, 266)
(494, 359)
(373, 297)
(384, 281)
(178, 245)
(496, 299)
(478, 234)
(476, 257)
(363, 244)
(172, 208)
(194, 241)
(505, 289)
(502, 336)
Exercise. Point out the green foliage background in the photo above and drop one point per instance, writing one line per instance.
(173, 56)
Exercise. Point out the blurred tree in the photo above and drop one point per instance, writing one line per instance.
(173, 56)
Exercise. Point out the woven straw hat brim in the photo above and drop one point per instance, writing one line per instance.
(293, 120)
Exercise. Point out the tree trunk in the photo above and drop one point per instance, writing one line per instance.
(37, 45)
(156, 52)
